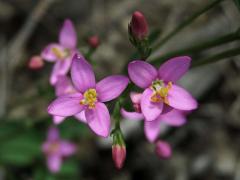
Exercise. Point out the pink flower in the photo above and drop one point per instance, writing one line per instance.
(90, 97)
(169, 116)
(55, 149)
(159, 86)
(36, 62)
(138, 25)
(118, 155)
(163, 149)
(65, 87)
(61, 53)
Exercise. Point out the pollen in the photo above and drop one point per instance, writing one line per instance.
(160, 91)
(90, 98)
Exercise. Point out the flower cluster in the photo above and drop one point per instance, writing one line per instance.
(78, 94)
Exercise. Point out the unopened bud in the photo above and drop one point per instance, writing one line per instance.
(94, 41)
(163, 149)
(138, 25)
(118, 155)
(36, 62)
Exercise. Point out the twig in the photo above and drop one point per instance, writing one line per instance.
(198, 47)
(185, 23)
(217, 57)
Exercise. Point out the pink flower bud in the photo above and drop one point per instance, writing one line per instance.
(118, 155)
(36, 62)
(138, 25)
(163, 149)
(94, 41)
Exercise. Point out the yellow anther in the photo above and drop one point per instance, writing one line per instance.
(160, 91)
(90, 98)
(61, 54)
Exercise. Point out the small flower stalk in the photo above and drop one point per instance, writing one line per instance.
(138, 34)
(118, 149)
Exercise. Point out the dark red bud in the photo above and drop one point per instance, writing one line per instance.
(118, 155)
(138, 25)
(36, 62)
(94, 41)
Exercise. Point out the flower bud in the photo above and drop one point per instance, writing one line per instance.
(138, 26)
(36, 62)
(118, 155)
(94, 41)
(163, 149)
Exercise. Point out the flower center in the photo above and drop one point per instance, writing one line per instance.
(90, 98)
(160, 91)
(53, 148)
(61, 54)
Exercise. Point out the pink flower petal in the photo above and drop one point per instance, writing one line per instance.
(142, 73)
(152, 130)
(64, 86)
(47, 53)
(111, 87)
(67, 105)
(135, 97)
(173, 118)
(163, 149)
(45, 146)
(68, 36)
(174, 69)
(58, 119)
(54, 163)
(82, 74)
(131, 115)
(61, 67)
(53, 134)
(180, 99)
(67, 148)
(81, 117)
(99, 119)
(150, 109)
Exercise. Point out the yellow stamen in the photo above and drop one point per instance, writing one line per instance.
(160, 91)
(61, 54)
(90, 98)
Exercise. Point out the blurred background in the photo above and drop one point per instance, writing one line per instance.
(206, 148)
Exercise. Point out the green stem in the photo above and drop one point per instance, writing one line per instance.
(116, 115)
(199, 47)
(89, 54)
(217, 57)
(185, 23)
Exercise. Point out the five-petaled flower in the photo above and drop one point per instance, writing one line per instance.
(90, 97)
(160, 88)
(152, 129)
(56, 149)
(61, 53)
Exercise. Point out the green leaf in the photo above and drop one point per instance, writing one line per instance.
(69, 168)
(21, 149)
